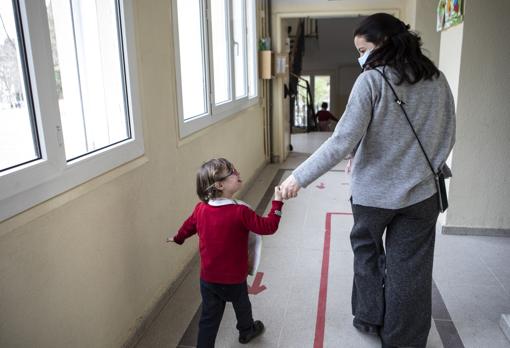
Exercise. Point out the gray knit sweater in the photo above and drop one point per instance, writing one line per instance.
(390, 170)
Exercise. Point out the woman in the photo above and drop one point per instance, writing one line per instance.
(393, 188)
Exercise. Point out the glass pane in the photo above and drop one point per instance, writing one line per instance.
(301, 103)
(220, 48)
(89, 73)
(322, 91)
(191, 54)
(18, 143)
(239, 48)
(251, 43)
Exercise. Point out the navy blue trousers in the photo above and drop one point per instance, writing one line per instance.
(214, 298)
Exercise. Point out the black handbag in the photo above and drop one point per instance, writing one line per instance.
(439, 175)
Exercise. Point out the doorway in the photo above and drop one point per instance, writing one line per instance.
(320, 92)
(322, 69)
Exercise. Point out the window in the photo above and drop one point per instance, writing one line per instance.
(19, 143)
(216, 60)
(252, 47)
(88, 62)
(240, 30)
(192, 58)
(68, 110)
(220, 33)
(321, 90)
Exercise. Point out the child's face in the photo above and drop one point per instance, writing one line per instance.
(231, 183)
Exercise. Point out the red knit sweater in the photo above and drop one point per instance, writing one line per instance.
(223, 238)
(325, 115)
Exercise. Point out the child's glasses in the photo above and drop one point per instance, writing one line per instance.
(231, 172)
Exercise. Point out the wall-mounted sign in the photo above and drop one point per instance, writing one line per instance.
(449, 13)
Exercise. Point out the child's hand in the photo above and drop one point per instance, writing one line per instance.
(277, 194)
(170, 240)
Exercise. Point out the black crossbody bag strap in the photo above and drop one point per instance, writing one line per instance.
(438, 176)
(401, 104)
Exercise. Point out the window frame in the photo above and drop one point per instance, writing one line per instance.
(223, 110)
(255, 50)
(218, 108)
(244, 40)
(202, 120)
(25, 186)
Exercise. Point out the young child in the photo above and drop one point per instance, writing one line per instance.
(223, 225)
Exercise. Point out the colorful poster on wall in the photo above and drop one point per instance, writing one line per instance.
(449, 13)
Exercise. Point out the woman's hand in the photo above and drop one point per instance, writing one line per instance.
(348, 167)
(289, 187)
(170, 240)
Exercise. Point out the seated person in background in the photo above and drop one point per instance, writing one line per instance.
(324, 117)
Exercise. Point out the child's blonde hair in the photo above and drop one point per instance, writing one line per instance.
(209, 173)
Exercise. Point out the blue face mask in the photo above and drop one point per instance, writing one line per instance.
(363, 59)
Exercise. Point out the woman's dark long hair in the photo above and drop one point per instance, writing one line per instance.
(398, 47)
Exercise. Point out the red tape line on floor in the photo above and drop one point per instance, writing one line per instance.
(320, 323)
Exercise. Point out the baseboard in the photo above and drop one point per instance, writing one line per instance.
(504, 323)
(476, 231)
(145, 321)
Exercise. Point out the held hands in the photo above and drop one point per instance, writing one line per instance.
(289, 188)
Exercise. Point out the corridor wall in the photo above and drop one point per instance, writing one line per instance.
(480, 189)
(84, 268)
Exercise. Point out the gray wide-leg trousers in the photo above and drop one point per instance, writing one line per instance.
(393, 280)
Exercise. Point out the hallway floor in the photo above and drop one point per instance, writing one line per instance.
(302, 291)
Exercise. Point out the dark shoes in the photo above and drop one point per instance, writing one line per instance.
(256, 330)
(365, 327)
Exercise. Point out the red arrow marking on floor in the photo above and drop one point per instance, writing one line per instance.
(256, 288)
(321, 186)
(323, 290)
